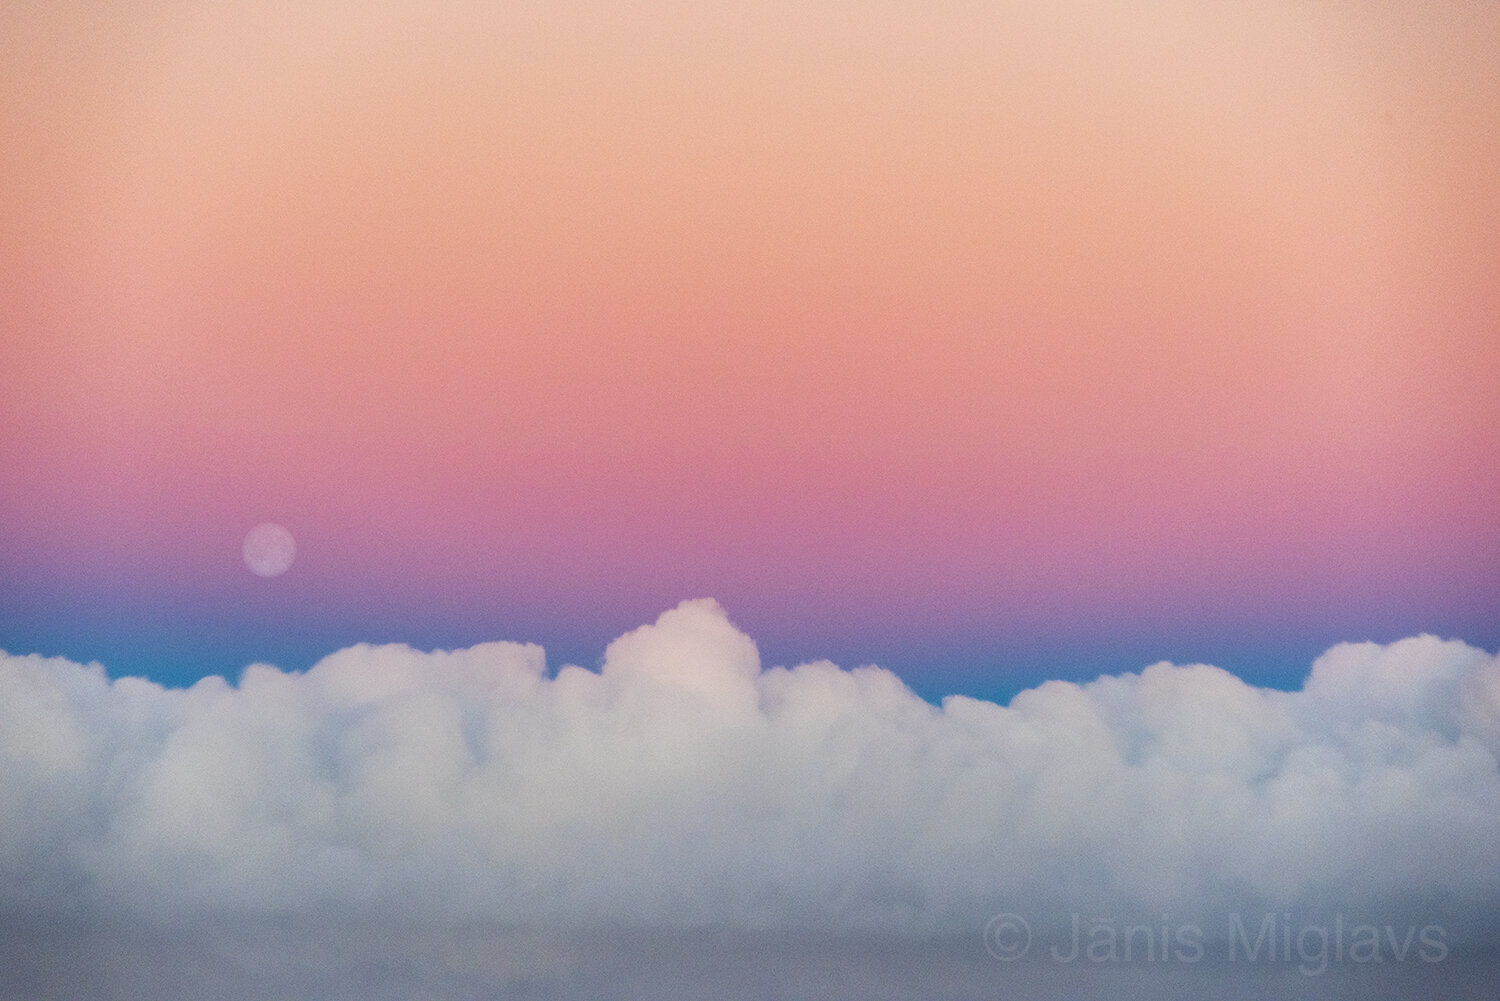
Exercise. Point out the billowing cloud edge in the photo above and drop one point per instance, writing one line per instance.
(684, 785)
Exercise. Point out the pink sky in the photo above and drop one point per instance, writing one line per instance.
(924, 318)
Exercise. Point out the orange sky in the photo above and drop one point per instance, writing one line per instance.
(1174, 276)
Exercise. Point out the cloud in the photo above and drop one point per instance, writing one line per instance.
(683, 786)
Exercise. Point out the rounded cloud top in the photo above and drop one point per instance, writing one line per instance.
(684, 784)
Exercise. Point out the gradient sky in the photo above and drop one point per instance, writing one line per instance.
(984, 341)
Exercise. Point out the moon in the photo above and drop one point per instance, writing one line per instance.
(269, 550)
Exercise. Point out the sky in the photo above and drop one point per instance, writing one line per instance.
(976, 341)
(992, 344)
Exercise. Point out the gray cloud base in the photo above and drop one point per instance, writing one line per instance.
(683, 786)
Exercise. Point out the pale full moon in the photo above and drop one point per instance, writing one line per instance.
(269, 550)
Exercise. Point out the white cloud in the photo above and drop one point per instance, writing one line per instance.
(685, 786)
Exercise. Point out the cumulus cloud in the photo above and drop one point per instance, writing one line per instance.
(685, 786)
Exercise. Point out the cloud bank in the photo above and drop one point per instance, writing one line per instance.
(684, 786)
